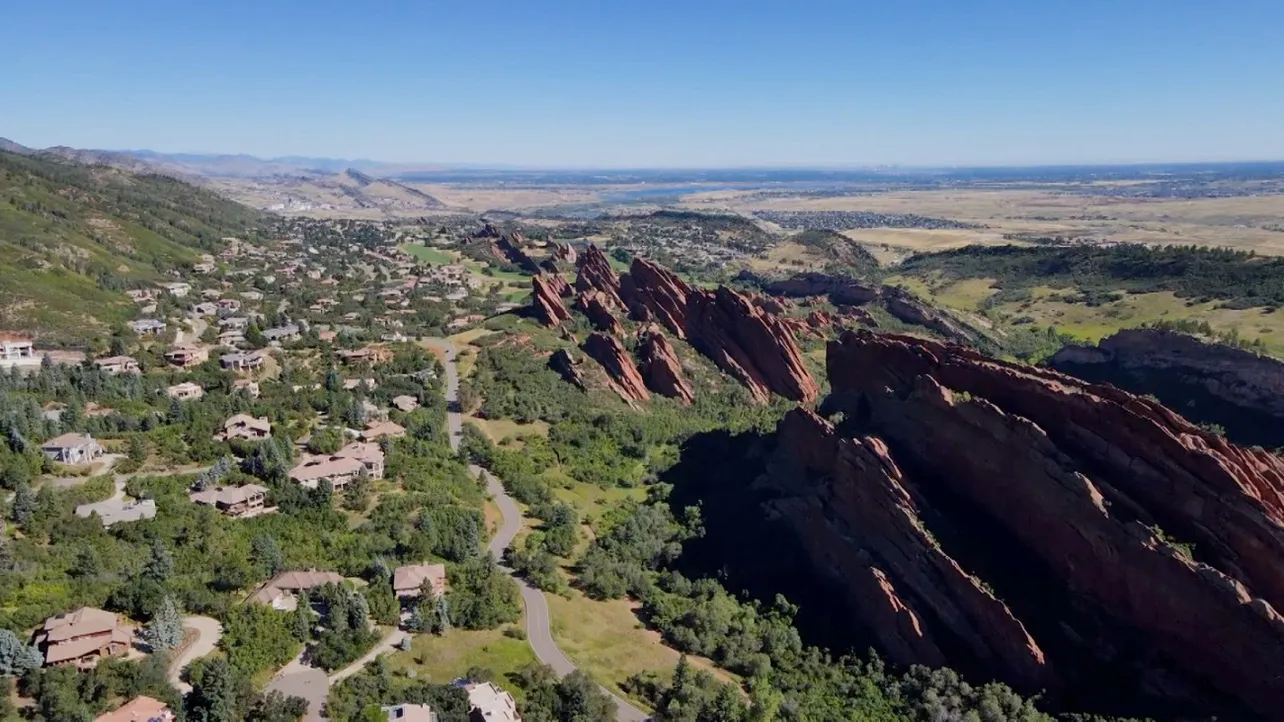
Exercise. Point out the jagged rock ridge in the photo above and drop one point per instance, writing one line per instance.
(618, 363)
(1053, 492)
(661, 368)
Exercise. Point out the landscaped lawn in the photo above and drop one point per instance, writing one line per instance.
(429, 254)
(445, 658)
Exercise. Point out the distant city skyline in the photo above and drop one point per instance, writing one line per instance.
(663, 84)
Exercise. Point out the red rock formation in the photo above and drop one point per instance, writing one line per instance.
(509, 249)
(615, 359)
(564, 252)
(859, 520)
(596, 274)
(661, 368)
(753, 346)
(1069, 471)
(567, 367)
(593, 304)
(654, 292)
(546, 299)
(840, 289)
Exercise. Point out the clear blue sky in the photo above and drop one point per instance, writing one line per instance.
(611, 83)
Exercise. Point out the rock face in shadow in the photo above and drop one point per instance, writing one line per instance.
(509, 248)
(567, 367)
(1211, 382)
(748, 343)
(841, 290)
(593, 304)
(1009, 518)
(661, 368)
(626, 380)
(596, 274)
(547, 291)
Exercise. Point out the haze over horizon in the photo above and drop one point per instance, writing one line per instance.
(662, 85)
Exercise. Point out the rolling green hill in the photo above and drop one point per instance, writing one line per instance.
(73, 237)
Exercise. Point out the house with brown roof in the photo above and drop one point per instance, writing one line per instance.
(185, 391)
(139, 709)
(367, 354)
(82, 637)
(242, 360)
(408, 580)
(244, 426)
(118, 365)
(72, 449)
(341, 467)
(383, 429)
(282, 591)
(16, 348)
(187, 356)
(235, 501)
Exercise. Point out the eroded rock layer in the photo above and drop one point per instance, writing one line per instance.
(596, 274)
(593, 304)
(546, 299)
(661, 368)
(1061, 508)
(654, 293)
(618, 364)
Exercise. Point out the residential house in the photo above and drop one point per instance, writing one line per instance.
(204, 308)
(82, 637)
(252, 295)
(203, 268)
(185, 391)
(405, 403)
(228, 305)
(16, 348)
(178, 289)
(186, 356)
(395, 337)
(244, 426)
(147, 326)
(234, 323)
(118, 511)
(141, 295)
(408, 580)
(283, 334)
(488, 703)
(139, 709)
(246, 386)
(341, 467)
(382, 429)
(72, 449)
(231, 338)
(118, 365)
(242, 360)
(281, 591)
(235, 501)
(367, 354)
(350, 384)
(409, 713)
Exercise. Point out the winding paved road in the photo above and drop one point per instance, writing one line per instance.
(208, 632)
(537, 615)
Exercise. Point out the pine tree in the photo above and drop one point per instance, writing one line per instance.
(16, 656)
(358, 611)
(165, 631)
(24, 504)
(266, 553)
(160, 565)
(137, 449)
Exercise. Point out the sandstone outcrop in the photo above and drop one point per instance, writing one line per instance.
(751, 345)
(842, 290)
(661, 368)
(654, 293)
(626, 380)
(596, 274)
(1056, 490)
(546, 299)
(593, 304)
(1208, 381)
(563, 252)
(509, 248)
(567, 367)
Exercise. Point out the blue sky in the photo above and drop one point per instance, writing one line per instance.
(690, 83)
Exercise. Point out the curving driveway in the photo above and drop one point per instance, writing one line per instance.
(537, 615)
(208, 632)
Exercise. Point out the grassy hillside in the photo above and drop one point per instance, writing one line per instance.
(73, 237)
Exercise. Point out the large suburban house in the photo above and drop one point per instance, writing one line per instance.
(117, 511)
(16, 348)
(289, 332)
(246, 386)
(187, 356)
(118, 365)
(488, 703)
(383, 430)
(185, 391)
(244, 426)
(242, 360)
(405, 403)
(139, 709)
(178, 289)
(235, 501)
(408, 580)
(82, 637)
(341, 467)
(147, 326)
(409, 713)
(282, 591)
(72, 449)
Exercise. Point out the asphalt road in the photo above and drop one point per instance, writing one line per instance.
(537, 616)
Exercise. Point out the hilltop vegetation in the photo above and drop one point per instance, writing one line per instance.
(73, 236)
